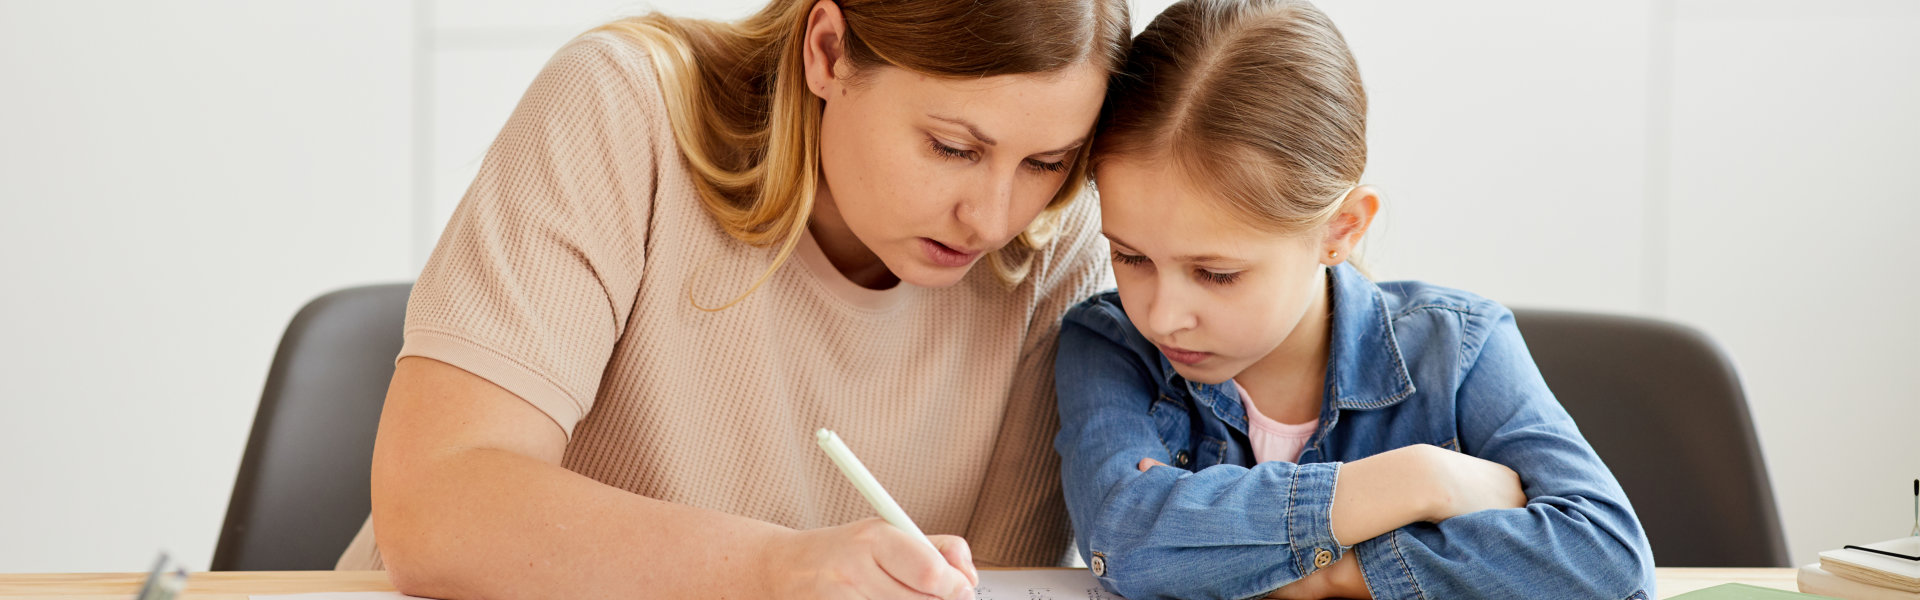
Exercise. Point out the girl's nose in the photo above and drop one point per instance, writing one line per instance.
(1170, 314)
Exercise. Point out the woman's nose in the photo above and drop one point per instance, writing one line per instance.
(987, 211)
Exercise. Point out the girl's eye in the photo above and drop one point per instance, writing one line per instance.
(1128, 259)
(1047, 167)
(1217, 278)
(949, 151)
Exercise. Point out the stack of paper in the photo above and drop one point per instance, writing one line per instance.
(1862, 575)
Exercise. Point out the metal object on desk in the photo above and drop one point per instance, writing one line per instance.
(165, 581)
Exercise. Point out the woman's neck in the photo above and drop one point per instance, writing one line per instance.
(1288, 384)
(850, 257)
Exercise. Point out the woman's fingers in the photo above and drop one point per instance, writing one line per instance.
(958, 554)
(1148, 463)
(917, 566)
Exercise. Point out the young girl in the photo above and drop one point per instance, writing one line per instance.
(1249, 414)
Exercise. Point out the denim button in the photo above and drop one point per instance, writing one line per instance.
(1322, 558)
(1182, 458)
(1099, 565)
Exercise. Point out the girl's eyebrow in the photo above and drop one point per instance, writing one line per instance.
(974, 131)
(1186, 258)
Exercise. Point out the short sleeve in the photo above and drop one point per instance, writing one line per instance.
(535, 276)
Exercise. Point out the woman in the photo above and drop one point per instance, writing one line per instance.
(695, 242)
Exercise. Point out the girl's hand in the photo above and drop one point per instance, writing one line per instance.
(1464, 484)
(869, 559)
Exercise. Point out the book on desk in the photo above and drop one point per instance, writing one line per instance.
(1888, 570)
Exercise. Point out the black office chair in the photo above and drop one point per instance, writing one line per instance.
(303, 488)
(1662, 406)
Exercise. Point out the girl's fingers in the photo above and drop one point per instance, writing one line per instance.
(1148, 463)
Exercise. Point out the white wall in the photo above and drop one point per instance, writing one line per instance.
(175, 183)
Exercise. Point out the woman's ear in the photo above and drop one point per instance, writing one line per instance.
(1350, 224)
(825, 47)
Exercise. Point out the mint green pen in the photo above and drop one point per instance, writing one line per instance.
(863, 480)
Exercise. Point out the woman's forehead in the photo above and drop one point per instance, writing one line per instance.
(1039, 109)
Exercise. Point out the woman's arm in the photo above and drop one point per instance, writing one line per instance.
(469, 501)
(1577, 535)
(1226, 530)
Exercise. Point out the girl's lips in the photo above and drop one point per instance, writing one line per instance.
(1185, 357)
(946, 256)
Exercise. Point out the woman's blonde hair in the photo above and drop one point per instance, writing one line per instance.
(749, 127)
(1260, 100)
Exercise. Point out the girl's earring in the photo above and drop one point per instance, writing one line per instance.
(1333, 254)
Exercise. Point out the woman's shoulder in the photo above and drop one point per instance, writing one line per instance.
(605, 55)
(1072, 261)
(600, 80)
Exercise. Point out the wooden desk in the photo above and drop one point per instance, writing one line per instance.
(238, 585)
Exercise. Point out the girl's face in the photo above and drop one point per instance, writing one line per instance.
(930, 174)
(1216, 294)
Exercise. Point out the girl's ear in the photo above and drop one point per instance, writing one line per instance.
(825, 48)
(1350, 224)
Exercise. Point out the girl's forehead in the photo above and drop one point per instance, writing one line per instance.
(1149, 206)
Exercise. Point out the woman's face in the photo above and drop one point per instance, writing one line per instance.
(929, 174)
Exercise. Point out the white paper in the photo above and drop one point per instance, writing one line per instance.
(1040, 584)
(1025, 584)
(337, 596)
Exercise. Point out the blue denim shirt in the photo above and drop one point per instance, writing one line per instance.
(1408, 363)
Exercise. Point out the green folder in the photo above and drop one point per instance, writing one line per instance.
(1741, 591)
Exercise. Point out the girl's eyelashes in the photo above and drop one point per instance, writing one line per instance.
(1217, 278)
(943, 150)
(1205, 276)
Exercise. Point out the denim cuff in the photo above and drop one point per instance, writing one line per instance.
(1310, 518)
(1386, 571)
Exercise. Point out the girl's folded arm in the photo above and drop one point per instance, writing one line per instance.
(1576, 535)
(1224, 531)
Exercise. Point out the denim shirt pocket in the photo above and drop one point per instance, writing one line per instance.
(1211, 451)
(1175, 425)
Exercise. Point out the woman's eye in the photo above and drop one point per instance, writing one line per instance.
(1128, 259)
(1047, 167)
(1217, 278)
(949, 151)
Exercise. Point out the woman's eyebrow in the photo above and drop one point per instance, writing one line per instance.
(971, 128)
(974, 130)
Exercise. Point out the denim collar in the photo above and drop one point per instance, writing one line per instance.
(1365, 370)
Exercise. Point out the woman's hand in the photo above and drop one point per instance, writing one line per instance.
(869, 559)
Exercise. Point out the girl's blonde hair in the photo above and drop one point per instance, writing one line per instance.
(749, 127)
(1259, 100)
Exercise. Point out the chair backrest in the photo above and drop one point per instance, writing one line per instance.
(1661, 404)
(303, 489)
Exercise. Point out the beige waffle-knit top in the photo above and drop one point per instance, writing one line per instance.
(564, 277)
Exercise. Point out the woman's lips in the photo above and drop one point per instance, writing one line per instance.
(947, 256)
(1185, 357)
